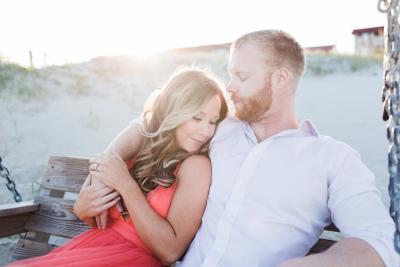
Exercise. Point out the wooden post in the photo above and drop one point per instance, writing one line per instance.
(31, 59)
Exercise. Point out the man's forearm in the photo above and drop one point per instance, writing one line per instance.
(348, 252)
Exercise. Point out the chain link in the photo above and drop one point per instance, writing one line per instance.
(391, 106)
(10, 183)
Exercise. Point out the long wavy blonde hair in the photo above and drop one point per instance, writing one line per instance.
(179, 100)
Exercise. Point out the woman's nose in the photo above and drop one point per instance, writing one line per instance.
(207, 129)
(230, 87)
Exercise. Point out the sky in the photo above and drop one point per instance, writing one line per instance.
(67, 31)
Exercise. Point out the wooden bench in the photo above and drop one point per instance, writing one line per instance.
(51, 214)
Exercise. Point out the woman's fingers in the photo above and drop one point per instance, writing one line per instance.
(104, 191)
(103, 219)
(87, 181)
(109, 204)
(98, 221)
(108, 197)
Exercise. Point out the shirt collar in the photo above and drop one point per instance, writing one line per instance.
(306, 127)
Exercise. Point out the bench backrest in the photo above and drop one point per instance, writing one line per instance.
(54, 222)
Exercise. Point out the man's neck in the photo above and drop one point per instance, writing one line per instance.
(271, 124)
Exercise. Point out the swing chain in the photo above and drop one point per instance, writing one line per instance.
(391, 104)
(10, 183)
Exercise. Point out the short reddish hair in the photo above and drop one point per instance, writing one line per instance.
(279, 47)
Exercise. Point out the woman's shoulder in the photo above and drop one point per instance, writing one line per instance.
(195, 167)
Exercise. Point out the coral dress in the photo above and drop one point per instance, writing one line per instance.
(117, 245)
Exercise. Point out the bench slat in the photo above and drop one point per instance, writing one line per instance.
(332, 228)
(12, 209)
(65, 174)
(26, 248)
(56, 217)
(13, 225)
(14, 216)
(321, 245)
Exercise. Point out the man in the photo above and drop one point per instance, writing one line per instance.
(277, 183)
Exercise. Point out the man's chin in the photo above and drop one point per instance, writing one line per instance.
(248, 116)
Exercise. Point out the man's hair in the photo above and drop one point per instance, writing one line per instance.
(280, 48)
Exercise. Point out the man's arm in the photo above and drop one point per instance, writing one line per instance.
(358, 212)
(348, 252)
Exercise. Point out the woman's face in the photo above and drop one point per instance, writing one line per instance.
(195, 132)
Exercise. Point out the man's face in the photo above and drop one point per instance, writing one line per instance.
(250, 84)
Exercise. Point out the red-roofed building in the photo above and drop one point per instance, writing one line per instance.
(327, 49)
(369, 41)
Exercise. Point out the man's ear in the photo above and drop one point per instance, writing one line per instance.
(280, 78)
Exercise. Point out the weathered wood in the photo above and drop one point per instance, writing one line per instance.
(321, 245)
(56, 217)
(13, 225)
(65, 173)
(332, 228)
(14, 216)
(25, 207)
(26, 248)
(37, 236)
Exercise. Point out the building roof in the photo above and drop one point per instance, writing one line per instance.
(326, 48)
(368, 30)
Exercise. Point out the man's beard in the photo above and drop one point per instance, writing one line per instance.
(253, 107)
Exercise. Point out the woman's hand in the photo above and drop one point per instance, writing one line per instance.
(111, 170)
(101, 219)
(94, 199)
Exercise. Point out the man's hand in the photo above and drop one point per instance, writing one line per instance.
(94, 199)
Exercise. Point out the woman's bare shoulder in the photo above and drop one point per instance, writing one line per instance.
(195, 168)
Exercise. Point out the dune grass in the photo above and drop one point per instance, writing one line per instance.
(126, 73)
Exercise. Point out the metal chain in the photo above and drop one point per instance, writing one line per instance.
(10, 183)
(391, 104)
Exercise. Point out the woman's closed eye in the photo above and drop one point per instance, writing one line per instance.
(197, 118)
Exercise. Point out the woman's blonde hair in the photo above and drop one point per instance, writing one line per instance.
(178, 101)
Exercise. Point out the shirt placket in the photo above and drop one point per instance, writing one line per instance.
(233, 205)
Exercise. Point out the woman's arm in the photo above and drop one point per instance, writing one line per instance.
(167, 238)
(127, 145)
(92, 200)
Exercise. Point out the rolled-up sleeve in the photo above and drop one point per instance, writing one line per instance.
(357, 210)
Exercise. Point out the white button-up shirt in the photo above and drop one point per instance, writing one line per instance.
(270, 201)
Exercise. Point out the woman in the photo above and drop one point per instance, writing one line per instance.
(164, 193)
